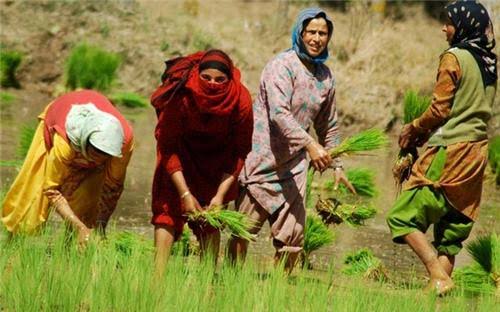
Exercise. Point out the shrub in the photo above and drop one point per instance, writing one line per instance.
(9, 62)
(129, 99)
(90, 67)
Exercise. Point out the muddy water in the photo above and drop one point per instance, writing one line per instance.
(133, 211)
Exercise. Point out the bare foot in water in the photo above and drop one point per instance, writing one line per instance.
(439, 287)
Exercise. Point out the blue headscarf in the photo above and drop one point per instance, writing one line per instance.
(298, 44)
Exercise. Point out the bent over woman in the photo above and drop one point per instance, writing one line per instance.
(204, 133)
(76, 163)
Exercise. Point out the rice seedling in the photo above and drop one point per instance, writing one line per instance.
(90, 67)
(25, 137)
(6, 98)
(494, 157)
(362, 179)
(369, 140)
(9, 62)
(316, 235)
(363, 263)
(309, 181)
(485, 250)
(129, 99)
(237, 223)
(474, 279)
(183, 247)
(333, 211)
(413, 107)
(43, 273)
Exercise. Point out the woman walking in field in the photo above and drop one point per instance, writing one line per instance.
(445, 185)
(204, 133)
(76, 164)
(296, 91)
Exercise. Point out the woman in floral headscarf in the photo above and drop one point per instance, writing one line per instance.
(296, 91)
(445, 185)
(204, 133)
(76, 163)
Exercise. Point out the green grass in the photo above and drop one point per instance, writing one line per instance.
(25, 138)
(90, 67)
(9, 62)
(333, 211)
(494, 156)
(485, 250)
(129, 99)
(6, 98)
(368, 140)
(44, 273)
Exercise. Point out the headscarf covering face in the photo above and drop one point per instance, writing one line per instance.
(298, 44)
(87, 124)
(218, 99)
(474, 32)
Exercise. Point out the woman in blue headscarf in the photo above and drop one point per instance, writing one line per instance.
(296, 91)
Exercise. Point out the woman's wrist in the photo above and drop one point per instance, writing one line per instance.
(185, 194)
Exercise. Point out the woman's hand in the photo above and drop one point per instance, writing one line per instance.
(340, 177)
(83, 236)
(320, 158)
(191, 204)
(407, 137)
(217, 200)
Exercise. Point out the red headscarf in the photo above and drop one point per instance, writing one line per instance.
(209, 98)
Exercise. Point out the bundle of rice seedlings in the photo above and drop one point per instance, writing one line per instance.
(90, 67)
(485, 250)
(333, 211)
(129, 99)
(237, 223)
(25, 139)
(9, 62)
(316, 235)
(494, 157)
(127, 243)
(309, 181)
(363, 263)
(413, 107)
(362, 179)
(368, 140)
(474, 279)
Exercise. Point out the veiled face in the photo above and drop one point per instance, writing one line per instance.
(449, 30)
(315, 36)
(212, 75)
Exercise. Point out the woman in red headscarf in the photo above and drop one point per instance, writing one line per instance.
(204, 133)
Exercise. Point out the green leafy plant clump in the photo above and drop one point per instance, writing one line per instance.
(363, 181)
(91, 67)
(333, 211)
(368, 140)
(364, 263)
(129, 99)
(316, 235)
(414, 106)
(6, 98)
(9, 62)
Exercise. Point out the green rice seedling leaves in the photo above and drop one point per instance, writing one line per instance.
(473, 278)
(237, 223)
(309, 181)
(9, 62)
(25, 139)
(368, 140)
(129, 99)
(333, 211)
(485, 250)
(91, 67)
(183, 246)
(363, 263)
(413, 107)
(363, 181)
(316, 235)
(494, 157)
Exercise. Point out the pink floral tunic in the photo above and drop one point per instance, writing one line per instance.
(290, 100)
